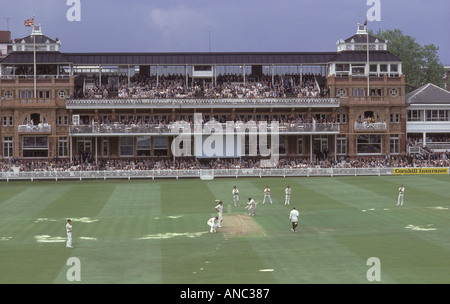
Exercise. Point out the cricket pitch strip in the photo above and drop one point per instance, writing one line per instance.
(239, 224)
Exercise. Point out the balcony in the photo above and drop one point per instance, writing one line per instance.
(184, 103)
(35, 129)
(117, 129)
(369, 126)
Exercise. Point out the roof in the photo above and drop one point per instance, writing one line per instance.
(200, 58)
(40, 39)
(362, 38)
(208, 58)
(361, 56)
(41, 58)
(428, 94)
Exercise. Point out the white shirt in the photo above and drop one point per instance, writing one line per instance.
(401, 190)
(235, 191)
(267, 191)
(251, 204)
(288, 191)
(69, 228)
(293, 216)
(212, 221)
(219, 208)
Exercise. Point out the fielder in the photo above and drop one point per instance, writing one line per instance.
(212, 223)
(288, 191)
(267, 195)
(219, 209)
(293, 217)
(251, 206)
(401, 192)
(69, 234)
(235, 196)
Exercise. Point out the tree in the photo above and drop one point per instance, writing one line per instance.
(421, 64)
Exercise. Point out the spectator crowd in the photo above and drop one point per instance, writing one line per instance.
(225, 86)
(85, 162)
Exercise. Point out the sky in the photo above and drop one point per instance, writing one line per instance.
(224, 26)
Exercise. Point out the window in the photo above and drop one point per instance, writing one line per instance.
(63, 120)
(373, 69)
(105, 147)
(84, 144)
(127, 146)
(143, 146)
(358, 70)
(8, 147)
(376, 92)
(341, 92)
(342, 69)
(395, 144)
(8, 94)
(8, 121)
(35, 146)
(436, 115)
(43, 94)
(341, 118)
(394, 92)
(62, 94)
(394, 68)
(368, 144)
(25, 94)
(341, 144)
(282, 147)
(63, 145)
(160, 145)
(415, 115)
(202, 68)
(300, 145)
(394, 118)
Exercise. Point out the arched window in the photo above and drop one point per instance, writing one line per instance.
(34, 119)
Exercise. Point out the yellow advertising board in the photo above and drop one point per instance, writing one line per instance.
(401, 171)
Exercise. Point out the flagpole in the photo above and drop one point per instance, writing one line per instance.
(368, 64)
(34, 57)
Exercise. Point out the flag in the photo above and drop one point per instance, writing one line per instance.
(29, 22)
(365, 22)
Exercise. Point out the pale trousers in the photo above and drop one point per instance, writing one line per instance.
(69, 239)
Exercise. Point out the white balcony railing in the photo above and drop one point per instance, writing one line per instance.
(40, 128)
(201, 102)
(118, 128)
(379, 126)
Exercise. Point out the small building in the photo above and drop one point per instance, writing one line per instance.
(428, 118)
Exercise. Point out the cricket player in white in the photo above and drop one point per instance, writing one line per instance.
(219, 209)
(401, 192)
(288, 190)
(69, 234)
(293, 217)
(251, 206)
(267, 195)
(236, 196)
(212, 223)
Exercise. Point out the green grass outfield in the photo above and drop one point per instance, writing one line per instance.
(155, 231)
